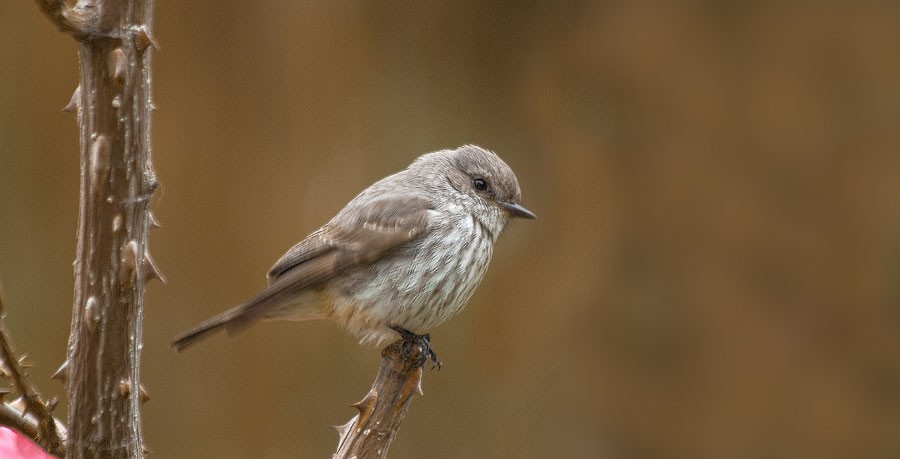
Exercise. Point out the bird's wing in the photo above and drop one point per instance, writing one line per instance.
(315, 245)
(361, 234)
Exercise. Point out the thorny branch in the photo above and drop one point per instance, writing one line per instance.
(113, 102)
(370, 433)
(29, 414)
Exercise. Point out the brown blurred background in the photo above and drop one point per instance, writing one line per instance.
(715, 272)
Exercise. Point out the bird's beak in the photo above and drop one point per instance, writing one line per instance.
(518, 211)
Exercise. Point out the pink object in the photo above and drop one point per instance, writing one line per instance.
(14, 445)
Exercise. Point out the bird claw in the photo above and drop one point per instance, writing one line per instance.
(411, 339)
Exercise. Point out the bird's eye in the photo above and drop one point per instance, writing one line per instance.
(479, 184)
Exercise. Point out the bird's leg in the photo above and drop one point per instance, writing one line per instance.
(410, 339)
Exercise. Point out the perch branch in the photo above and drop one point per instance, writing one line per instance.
(370, 433)
(29, 415)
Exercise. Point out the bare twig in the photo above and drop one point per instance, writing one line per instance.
(35, 417)
(370, 433)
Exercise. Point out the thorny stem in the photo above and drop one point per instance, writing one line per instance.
(112, 263)
(35, 418)
(369, 435)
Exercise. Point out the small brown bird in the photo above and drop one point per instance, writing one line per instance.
(402, 257)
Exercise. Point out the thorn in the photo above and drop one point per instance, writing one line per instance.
(154, 223)
(62, 373)
(146, 450)
(344, 429)
(23, 363)
(72, 106)
(413, 384)
(4, 391)
(26, 408)
(368, 402)
(144, 38)
(153, 106)
(366, 407)
(151, 271)
(19, 405)
(145, 396)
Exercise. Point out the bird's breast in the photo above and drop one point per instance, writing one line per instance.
(422, 285)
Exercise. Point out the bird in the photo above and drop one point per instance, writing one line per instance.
(400, 258)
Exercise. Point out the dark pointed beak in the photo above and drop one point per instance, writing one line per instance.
(518, 211)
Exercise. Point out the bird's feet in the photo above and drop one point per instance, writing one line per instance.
(411, 339)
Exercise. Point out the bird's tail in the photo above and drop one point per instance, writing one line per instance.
(279, 301)
(232, 320)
